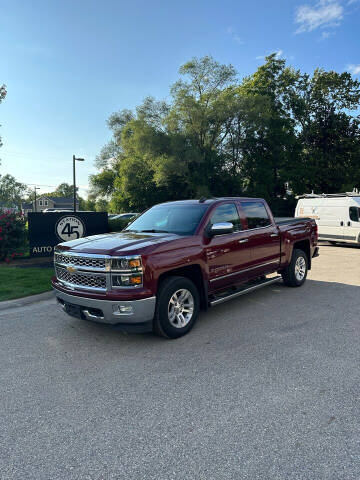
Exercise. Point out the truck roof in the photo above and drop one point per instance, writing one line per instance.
(208, 201)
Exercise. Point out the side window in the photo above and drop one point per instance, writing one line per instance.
(354, 214)
(256, 214)
(227, 213)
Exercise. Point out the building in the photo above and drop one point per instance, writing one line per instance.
(49, 203)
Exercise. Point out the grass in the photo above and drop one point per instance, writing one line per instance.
(21, 282)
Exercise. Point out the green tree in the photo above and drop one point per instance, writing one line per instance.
(277, 131)
(264, 133)
(63, 190)
(11, 191)
(328, 132)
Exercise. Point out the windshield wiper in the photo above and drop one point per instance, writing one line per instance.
(154, 231)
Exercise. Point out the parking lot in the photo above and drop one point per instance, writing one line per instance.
(266, 386)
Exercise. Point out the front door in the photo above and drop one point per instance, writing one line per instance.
(229, 254)
(352, 225)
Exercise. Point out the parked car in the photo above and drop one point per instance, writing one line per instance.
(337, 215)
(177, 258)
(56, 210)
(124, 216)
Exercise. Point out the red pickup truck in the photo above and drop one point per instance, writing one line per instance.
(180, 257)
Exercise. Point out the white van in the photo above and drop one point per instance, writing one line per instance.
(337, 215)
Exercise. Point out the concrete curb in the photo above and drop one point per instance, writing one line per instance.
(21, 302)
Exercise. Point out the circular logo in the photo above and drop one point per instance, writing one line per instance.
(70, 228)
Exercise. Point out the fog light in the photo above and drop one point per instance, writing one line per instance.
(123, 310)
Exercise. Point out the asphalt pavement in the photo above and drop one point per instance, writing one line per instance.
(266, 386)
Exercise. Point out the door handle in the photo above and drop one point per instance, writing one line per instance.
(244, 240)
(274, 235)
(349, 224)
(342, 224)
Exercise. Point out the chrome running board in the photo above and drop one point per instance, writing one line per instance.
(244, 290)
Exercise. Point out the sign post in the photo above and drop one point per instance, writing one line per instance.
(46, 230)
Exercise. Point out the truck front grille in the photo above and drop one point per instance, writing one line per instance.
(81, 279)
(81, 261)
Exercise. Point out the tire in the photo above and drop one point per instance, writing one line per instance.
(174, 295)
(294, 275)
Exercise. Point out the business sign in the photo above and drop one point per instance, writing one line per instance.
(46, 230)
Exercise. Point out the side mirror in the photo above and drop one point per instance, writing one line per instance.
(221, 228)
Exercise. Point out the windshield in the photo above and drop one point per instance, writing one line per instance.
(180, 219)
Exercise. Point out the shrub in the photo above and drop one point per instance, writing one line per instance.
(12, 235)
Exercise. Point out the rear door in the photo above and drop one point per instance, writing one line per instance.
(229, 254)
(263, 235)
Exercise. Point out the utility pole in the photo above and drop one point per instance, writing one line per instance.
(36, 188)
(74, 178)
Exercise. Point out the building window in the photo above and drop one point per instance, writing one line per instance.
(46, 203)
(40, 203)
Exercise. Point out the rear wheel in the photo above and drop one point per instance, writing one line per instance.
(294, 275)
(177, 307)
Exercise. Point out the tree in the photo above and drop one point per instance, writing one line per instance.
(11, 191)
(277, 133)
(63, 190)
(329, 134)
(265, 135)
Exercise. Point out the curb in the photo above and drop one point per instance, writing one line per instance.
(21, 302)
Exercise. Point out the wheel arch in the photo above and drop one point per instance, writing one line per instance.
(304, 245)
(194, 273)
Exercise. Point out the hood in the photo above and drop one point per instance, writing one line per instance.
(117, 243)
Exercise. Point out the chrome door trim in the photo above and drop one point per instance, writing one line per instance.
(244, 270)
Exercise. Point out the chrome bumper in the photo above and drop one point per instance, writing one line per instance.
(106, 311)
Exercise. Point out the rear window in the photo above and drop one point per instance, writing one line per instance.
(256, 214)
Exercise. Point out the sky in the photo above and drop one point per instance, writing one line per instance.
(68, 65)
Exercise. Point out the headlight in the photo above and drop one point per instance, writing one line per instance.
(126, 272)
(126, 280)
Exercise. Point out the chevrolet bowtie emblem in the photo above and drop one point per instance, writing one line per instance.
(71, 269)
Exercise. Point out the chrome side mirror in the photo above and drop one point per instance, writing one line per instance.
(221, 228)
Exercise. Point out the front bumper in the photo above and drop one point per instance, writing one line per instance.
(121, 313)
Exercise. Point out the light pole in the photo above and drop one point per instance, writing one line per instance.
(75, 160)
(35, 188)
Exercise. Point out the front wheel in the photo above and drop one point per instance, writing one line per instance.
(294, 275)
(177, 307)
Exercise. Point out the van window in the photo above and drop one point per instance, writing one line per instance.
(256, 214)
(354, 213)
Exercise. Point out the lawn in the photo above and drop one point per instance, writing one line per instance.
(18, 282)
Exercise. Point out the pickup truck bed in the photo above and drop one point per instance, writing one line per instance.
(288, 220)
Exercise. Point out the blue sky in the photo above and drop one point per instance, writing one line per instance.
(69, 64)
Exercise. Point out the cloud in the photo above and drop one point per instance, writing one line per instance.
(279, 53)
(232, 32)
(354, 69)
(323, 14)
